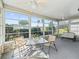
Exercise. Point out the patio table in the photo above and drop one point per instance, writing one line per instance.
(38, 53)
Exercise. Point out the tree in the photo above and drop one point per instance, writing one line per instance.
(9, 29)
(23, 22)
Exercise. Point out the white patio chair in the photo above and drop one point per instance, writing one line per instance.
(51, 40)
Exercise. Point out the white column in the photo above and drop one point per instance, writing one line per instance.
(58, 29)
(43, 28)
(52, 27)
(69, 24)
(2, 24)
(29, 17)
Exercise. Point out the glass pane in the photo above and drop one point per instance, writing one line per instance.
(47, 21)
(15, 16)
(16, 24)
(63, 22)
(36, 22)
(74, 28)
(76, 20)
(48, 26)
(36, 26)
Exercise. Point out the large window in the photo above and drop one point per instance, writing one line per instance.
(63, 27)
(36, 26)
(40, 26)
(74, 27)
(48, 26)
(55, 28)
(16, 25)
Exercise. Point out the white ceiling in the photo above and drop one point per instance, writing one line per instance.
(59, 9)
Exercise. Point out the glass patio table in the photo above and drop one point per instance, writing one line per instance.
(39, 53)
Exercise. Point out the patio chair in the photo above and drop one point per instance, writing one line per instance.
(1, 50)
(21, 45)
(51, 40)
(19, 41)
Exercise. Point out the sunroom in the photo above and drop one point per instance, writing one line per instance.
(39, 29)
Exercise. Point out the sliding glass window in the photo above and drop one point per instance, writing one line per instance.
(74, 27)
(36, 26)
(48, 26)
(63, 27)
(55, 27)
(16, 24)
